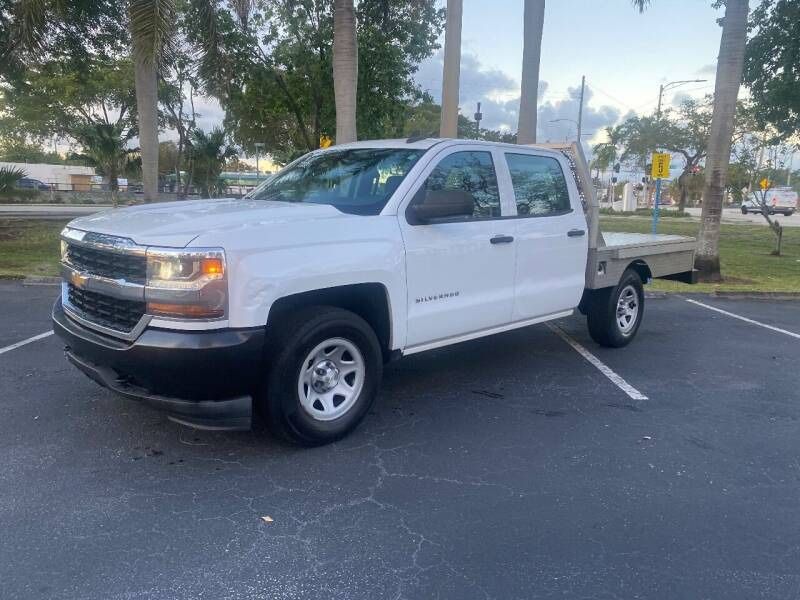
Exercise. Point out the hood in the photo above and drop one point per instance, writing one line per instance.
(176, 224)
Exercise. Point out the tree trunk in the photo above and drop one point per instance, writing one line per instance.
(451, 70)
(345, 70)
(531, 55)
(726, 88)
(684, 192)
(147, 106)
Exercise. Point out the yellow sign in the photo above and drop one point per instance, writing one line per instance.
(764, 183)
(325, 141)
(660, 168)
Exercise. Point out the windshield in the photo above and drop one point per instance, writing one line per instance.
(358, 181)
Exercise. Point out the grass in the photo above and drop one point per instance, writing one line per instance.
(646, 212)
(747, 265)
(29, 247)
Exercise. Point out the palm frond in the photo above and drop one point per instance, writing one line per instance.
(9, 176)
(641, 5)
(152, 23)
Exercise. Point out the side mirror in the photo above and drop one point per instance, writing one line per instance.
(434, 205)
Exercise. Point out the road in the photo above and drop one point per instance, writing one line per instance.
(734, 215)
(509, 467)
(49, 211)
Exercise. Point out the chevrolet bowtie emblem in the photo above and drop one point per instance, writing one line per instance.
(78, 279)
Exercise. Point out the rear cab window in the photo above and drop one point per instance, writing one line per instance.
(540, 187)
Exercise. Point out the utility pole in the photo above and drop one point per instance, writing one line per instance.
(478, 117)
(451, 70)
(580, 107)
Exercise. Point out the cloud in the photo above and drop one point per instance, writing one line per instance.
(498, 94)
(707, 70)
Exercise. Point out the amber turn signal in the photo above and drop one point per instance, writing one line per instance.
(192, 311)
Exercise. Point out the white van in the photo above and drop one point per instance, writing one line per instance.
(778, 200)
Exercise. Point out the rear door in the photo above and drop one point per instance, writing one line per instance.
(551, 234)
(460, 273)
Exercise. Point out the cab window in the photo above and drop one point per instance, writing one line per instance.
(471, 172)
(540, 188)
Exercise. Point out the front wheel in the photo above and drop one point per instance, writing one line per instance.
(323, 377)
(615, 314)
(744, 210)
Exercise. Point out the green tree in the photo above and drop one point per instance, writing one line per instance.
(77, 31)
(105, 145)
(91, 104)
(726, 89)
(209, 152)
(772, 64)
(270, 64)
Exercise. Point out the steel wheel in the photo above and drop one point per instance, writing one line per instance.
(330, 379)
(627, 309)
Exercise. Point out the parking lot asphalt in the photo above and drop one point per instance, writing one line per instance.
(506, 467)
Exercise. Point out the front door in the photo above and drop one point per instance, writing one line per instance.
(460, 272)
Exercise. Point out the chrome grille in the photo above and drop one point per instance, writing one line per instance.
(114, 313)
(110, 264)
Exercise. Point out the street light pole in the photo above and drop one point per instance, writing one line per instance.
(259, 145)
(580, 107)
(672, 84)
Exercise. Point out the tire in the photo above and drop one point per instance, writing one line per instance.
(604, 326)
(744, 210)
(789, 213)
(312, 407)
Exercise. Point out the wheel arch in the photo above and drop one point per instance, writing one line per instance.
(642, 269)
(370, 301)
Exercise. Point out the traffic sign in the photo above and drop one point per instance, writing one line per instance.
(764, 183)
(660, 169)
(325, 141)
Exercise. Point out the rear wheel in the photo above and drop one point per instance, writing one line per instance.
(744, 210)
(615, 314)
(323, 377)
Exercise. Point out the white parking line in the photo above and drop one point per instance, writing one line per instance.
(599, 365)
(41, 336)
(745, 319)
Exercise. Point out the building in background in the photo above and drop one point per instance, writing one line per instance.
(58, 177)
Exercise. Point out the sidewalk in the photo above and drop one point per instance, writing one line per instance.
(49, 211)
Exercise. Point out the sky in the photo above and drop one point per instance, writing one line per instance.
(624, 55)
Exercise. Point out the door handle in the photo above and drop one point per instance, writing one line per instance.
(502, 239)
(576, 232)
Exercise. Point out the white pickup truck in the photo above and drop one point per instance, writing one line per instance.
(288, 302)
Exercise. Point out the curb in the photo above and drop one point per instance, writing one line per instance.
(758, 295)
(32, 279)
(41, 280)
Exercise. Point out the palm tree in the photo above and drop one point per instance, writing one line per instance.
(150, 23)
(105, 145)
(726, 88)
(345, 70)
(451, 70)
(208, 153)
(531, 53)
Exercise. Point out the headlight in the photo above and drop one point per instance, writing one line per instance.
(186, 283)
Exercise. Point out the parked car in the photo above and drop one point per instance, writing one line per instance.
(28, 183)
(289, 301)
(778, 200)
